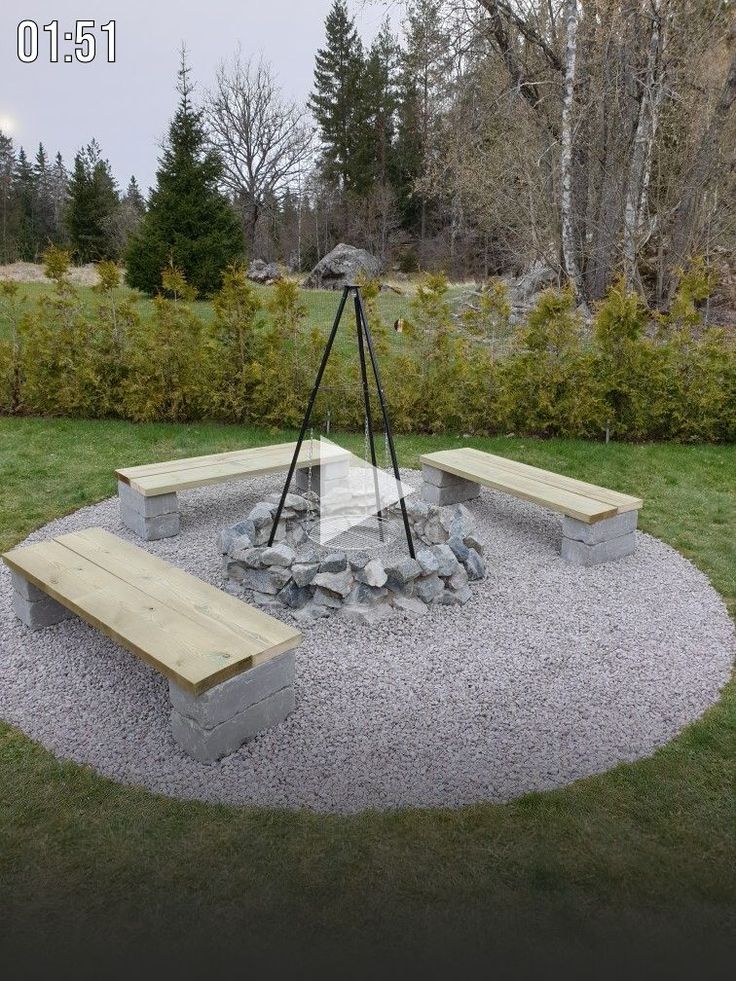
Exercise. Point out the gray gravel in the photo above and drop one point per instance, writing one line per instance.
(549, 674)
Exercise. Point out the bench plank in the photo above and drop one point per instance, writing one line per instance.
(172, 476)
(189, 649)
(479, 470)
(623, 502)
(258, 634)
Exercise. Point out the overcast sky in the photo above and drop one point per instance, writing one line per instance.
(126, 106)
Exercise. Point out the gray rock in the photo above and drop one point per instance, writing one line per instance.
(364, 595)
(475, 566)
(336, 582)
(373, 574)
(309, 614)
(462, 523)
(296, 535)
(429, 588)
(417, 509)
(359, 561)
(243, 529)
(342, 267)
(260, 271)
(403, 571)
(446, 559)
(295, 597)
(250, 557)
(434, 532)
(323, 597)
(337, 562)
(280, 555)
(410, 605)
(428, 561)
(259, 580)
(304, 573)
(366, 616)
(459, 548)
(459, 579)
(266, 599)
(308, 556)
(472, 542)
(262, 515)
(263, 534)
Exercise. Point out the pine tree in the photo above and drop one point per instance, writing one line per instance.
(337, 101)
(24, 191)
(46, 230)
(8, 210)
(92, 204)
(380, 102)
(189, 223)
(59, 183)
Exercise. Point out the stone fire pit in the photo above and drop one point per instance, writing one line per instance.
(315, 580)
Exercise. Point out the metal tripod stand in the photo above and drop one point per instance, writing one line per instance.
(365, 340)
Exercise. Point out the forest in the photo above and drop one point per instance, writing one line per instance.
(478, 138)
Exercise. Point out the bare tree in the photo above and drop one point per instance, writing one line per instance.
(569, 250)
(264, 139)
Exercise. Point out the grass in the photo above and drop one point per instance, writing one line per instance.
(642, 857)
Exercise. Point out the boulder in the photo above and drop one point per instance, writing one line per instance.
(429, 588)
(337, 562)
(475, 566)
(260, 271)
(304, 572)
(336, 582)
(537, 277)
(342, 267)
(373, 574)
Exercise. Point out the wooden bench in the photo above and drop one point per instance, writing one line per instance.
(148, 494)
(598, 524)
(230, 667)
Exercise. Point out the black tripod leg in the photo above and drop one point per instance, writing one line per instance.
(369, 420)
(386, 421)
(308, 415)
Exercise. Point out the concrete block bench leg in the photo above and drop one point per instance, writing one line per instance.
(151, 518)
(35, 608)
(217, 723)
(326, 477)
(442, 488)
(604, 541)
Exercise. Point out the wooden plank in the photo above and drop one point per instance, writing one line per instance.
(258, 634)
(624, 502)
(485, 472)
(193, 653)
(177, 475)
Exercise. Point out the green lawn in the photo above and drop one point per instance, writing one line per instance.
(641, 857)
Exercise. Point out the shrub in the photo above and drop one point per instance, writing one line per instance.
(170, 364)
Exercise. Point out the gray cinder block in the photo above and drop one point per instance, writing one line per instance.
(226, 700)
(39, 614)
(601, 531)
(578, 553)
(150, 529)
(26, 589)
(457, 493)
(210, 745)
(148, 507)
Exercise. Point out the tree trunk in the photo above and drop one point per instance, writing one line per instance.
(569, 250)
(704, 165)
(641, 152)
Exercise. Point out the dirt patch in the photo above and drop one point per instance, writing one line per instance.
(31, 272)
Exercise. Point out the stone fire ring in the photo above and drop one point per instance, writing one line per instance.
(548, 674)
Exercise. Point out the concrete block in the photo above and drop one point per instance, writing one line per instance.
(210, 745)
(440, 478)
(149, 507)
(225, 701)
(39, 614)
(449, 494)
(25, 589)
(601, 531)
(150, 529)
(326, 477)
(578, 553)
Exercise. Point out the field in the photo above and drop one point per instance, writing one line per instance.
(641, 858)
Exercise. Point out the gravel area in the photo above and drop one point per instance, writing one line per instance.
(549, 674)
